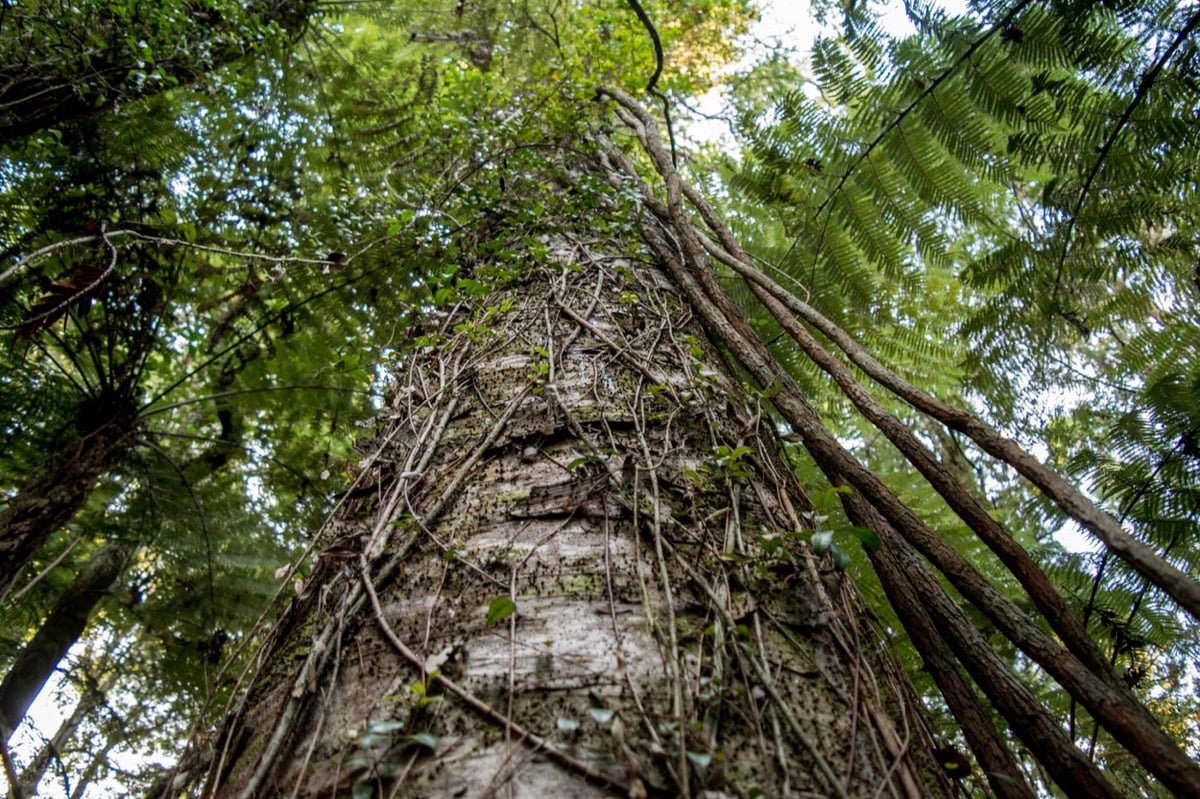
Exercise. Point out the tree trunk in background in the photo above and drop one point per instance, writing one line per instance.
(50, 499)
(576, 447)
(99, 765)
(61, 628)
(35, 771)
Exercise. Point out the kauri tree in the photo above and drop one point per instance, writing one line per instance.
(602, 535)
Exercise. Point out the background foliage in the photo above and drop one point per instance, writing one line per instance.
(1002, 205)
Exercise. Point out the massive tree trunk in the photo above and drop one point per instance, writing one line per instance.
(572, 565)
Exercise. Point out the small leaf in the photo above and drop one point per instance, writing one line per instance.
(369, 739)
(424, 739)
(602, 715)
(865, 535)
(566, 725)
(362, 790)
(500, 609)
(840, 559)
(821, 541)
(700, 760)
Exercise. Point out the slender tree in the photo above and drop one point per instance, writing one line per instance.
(61, 628)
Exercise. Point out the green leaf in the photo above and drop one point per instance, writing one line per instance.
(500, 609)
(865, 535)
(424, 739)
(369, 739)
(821, 541)
(700, 760)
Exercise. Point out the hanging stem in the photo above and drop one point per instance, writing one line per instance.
(686, 259)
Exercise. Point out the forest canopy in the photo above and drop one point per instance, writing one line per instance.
(972, 245)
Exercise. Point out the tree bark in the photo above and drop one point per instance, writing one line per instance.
(62, 628)
(681, 248)
(581, 453)
(50, 499)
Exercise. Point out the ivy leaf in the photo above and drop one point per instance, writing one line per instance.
(500, 609)
(369, 739)
(865, 535)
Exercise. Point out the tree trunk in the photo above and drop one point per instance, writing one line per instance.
(32, 775)
(62, 628)
(50, 499)
(572, 565)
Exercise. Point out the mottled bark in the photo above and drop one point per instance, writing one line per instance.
(585, 454)
(61, 628)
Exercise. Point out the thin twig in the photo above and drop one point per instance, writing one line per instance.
(644, 18)
(75, 297)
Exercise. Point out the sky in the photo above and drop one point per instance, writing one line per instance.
(789, 24)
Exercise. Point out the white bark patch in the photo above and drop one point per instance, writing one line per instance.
(562, 643)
